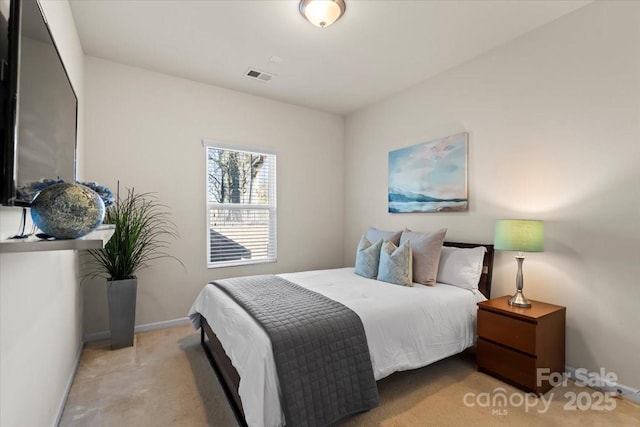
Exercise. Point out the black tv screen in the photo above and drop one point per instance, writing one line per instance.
(40, 118)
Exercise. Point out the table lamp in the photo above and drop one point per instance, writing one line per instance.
(521, 235)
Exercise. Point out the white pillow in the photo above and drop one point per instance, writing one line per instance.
(461, 267)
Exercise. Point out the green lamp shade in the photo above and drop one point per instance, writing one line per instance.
(522, 235)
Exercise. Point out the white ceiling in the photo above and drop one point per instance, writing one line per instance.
(376, 49)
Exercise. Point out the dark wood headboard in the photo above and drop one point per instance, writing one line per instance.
(487, 265)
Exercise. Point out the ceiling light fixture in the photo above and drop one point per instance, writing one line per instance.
(322, 13)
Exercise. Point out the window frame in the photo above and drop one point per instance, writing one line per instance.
(271, 207)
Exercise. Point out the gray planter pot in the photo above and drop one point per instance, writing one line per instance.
(122, 311)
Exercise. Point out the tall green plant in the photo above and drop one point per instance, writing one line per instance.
(142, 230)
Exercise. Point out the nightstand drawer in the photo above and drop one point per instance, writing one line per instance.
(508, 331)
(507, 364)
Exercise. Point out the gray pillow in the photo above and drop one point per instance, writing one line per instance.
(426, 248)
(373, 235)
(368, 258)
(395, 264)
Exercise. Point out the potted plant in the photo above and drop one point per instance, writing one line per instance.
(142, 230)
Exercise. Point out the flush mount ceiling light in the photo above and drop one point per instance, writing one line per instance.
(322, 13)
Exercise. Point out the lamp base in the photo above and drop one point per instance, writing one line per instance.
(519, 300)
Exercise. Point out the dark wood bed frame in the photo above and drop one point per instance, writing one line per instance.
(228, 375)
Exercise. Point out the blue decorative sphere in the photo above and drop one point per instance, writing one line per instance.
(67, 211)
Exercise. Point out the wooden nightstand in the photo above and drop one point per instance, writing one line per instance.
(514, 342)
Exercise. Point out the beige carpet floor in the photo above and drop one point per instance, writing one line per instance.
(166, 380)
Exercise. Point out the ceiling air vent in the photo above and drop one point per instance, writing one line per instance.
(261, 76)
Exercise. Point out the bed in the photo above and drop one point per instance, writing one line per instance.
(406, 328)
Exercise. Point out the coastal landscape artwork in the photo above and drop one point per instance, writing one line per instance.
(429, 177)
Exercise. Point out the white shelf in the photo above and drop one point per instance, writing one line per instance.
(94, 240)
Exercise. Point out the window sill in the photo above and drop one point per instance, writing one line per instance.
(211, 266)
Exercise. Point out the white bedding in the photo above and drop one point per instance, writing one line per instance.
(406, 328)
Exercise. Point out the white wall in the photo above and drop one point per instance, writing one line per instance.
(145, 129)
(554, 122)
(40, 301)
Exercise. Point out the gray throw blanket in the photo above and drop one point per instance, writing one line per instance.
(319, 346)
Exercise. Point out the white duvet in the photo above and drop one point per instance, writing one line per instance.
(406, 328)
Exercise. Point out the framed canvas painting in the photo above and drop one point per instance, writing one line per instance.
(430, 177)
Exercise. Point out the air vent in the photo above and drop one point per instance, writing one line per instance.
(258, 75)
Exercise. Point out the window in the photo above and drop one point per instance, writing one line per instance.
(241, 206)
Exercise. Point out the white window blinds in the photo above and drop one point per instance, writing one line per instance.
(241, 206)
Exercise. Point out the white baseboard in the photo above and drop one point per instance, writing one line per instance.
(605, 384)
(181, 321)
(103, 335)
(67, 389)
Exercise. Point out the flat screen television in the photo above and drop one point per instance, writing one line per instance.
(39, 104)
